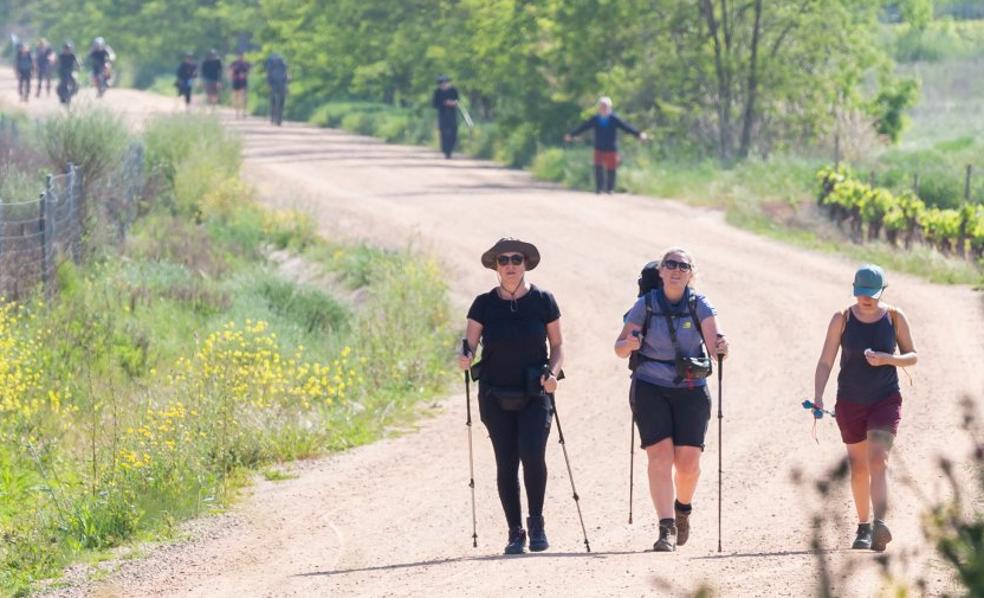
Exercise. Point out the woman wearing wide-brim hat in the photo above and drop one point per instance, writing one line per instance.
(516, 322)
(869, 402)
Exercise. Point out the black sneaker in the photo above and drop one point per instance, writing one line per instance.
(667, 536)
(517, 541)
(538, 537)
(682, 525)
(880, 536)
(863, 540)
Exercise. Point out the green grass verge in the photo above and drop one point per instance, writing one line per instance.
(168, 370)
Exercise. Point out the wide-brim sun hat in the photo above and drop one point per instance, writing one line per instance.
(869, 281)
(508, 245)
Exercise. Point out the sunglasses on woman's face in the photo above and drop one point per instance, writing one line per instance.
(505, 260)
(673, 265)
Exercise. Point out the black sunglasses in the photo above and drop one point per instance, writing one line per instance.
(673, 265)
(505, 260)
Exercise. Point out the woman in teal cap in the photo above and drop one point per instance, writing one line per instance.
(869, 405)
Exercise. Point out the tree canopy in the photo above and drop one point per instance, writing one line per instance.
(713, 77)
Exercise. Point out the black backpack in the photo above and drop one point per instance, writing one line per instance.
(649, 278)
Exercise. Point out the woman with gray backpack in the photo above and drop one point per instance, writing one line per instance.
(666, 336)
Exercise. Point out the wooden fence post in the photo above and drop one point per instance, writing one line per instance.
(970, 171)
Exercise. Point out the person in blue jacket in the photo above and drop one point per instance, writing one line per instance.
(605, 125)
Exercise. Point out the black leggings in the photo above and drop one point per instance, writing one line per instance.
(518, 436)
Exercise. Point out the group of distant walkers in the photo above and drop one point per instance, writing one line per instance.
(38, 65)
(210, 70)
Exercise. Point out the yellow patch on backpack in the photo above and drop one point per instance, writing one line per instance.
(688, 324)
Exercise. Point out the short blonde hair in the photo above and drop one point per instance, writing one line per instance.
(686, 254)
(607, 101)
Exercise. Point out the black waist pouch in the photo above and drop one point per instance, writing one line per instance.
(693, 368)
(510, 399)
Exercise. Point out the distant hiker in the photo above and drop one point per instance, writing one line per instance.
(44, 58)
(674, 330)
(605, 125)
(101, 59)
(446, 103)
(211, 70)
(24, 68)
(516, 321)
(187, 71)
(277, 78)
(68, 64)
(239, 74)
(869, 403)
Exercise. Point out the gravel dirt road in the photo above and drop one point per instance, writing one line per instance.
(394, 518)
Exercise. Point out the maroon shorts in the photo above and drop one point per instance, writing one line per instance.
(856, 419)
(607, 159)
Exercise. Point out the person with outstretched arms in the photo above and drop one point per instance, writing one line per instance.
(605, 125)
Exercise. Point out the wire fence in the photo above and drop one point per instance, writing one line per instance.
(38, 235)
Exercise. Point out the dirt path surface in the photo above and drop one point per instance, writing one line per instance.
(393, 518)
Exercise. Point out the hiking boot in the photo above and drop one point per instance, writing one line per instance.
(880, 536)
(682, 525)
(538, 537)
(667, 536)
(517, 541)
(863, 540)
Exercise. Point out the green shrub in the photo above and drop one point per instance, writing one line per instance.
(93, 139)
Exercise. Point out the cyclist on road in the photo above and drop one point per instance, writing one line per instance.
(68, 64)
(101, 59)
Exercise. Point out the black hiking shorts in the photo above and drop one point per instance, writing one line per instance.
(662, 412)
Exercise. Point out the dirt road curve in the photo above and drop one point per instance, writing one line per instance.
(393, 519)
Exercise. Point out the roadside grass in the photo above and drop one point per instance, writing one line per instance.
(168, 370)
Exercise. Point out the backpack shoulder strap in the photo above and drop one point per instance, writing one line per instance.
(692, 308)
(649, 313)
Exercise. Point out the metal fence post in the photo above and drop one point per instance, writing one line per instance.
(73, 214)
(45, 247)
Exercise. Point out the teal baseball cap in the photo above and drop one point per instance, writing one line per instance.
(869, 281)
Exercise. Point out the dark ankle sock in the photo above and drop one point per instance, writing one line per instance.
(679, 506)
(667, 522)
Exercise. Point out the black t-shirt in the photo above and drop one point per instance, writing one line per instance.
(447, 116)
(513, 340)
(187, 71)
(211, 69)
(66, 64)
(240, 70)
(98, 58)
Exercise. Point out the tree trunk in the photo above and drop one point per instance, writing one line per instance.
(723, 81)
(749, 117)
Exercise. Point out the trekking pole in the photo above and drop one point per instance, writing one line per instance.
(471, 455)
(720, 437)
(570, 474)
(631, 462)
